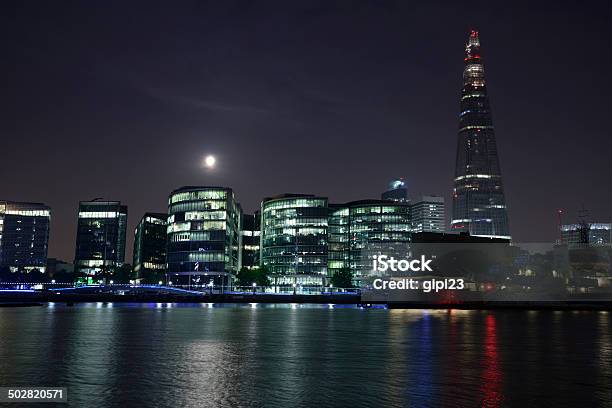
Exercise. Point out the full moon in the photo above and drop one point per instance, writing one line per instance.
(210, 161)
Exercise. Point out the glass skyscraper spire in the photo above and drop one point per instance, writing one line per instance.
(479, 206)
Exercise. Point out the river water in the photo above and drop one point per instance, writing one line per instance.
(123, 355)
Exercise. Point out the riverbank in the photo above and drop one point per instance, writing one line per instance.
(167, 295)
(30, 297)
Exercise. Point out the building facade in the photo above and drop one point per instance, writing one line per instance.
(363, 225)
(149, 260)
(100, 240)
(294, 239)
(24, 236)
(479, 205)
(428, 215)
(584, 256)
(587, 234)
(203, 236)
(249, 244)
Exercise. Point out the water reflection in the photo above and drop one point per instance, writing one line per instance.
(605, 356)
(292, 355)
(423, 358)
(492, 373)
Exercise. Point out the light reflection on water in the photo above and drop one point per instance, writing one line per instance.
(167, 354)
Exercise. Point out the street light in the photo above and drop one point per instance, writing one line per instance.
(111, 282)
(294, 286)
(52, 280)
(331, 287)
(160, 283)
(254, 287)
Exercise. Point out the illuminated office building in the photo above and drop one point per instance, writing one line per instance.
(360, 225)
(479, 206)
(427, 214)
(294, 239)
(249, 244)
(149, 262)
(100, 240)
(24, 236)
(203, 236)
(338, 239)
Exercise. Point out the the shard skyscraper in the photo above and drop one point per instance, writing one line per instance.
(479, 206)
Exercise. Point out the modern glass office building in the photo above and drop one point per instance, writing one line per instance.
(249, 240)
(338, 238)
(360, 225)
(149, 263)
(479, 206)
(100, 240)
(203, 236)
(294, 239)
(24, 236)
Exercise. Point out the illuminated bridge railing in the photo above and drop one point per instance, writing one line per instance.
(203, 289)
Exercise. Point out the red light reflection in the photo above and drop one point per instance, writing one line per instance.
(492, 373)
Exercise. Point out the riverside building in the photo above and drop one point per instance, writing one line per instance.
(24, 236)
(149, 261)
(294, 240)
(100, 241)
(203, 236)
(249, 240)
(358, 225)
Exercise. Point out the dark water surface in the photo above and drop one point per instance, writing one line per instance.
(120, 355)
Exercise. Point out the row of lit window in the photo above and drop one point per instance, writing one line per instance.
(294, 203)
(250, 233)
(205, 215)
(196, 226)
(197, 206)
(151, 265)
(99, 214)
(311, 259)
(380, 210)
(295, 221)
(155, 221)
(291, 250)
(198, 195)
(28, 213)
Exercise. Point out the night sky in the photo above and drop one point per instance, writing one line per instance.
(123, 101)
